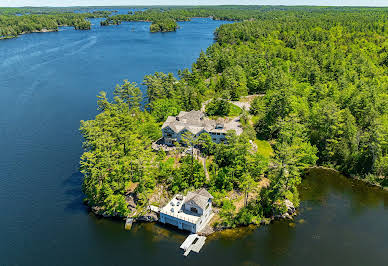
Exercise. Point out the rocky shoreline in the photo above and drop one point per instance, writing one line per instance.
(289, 215)
(28, 32)
(146, 215)
(151, 217)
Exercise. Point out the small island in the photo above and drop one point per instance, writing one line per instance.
(164, 25)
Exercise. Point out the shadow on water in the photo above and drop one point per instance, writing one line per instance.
(321, 184)
(73, 190)
(278, 240)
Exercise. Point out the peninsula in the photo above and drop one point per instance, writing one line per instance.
(269, 99)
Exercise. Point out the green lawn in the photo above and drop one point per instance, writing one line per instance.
(264, 148)
(234, 110)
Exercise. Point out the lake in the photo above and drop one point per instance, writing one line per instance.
(49, 82)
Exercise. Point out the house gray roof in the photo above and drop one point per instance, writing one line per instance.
(195, 122)
(200, 197)
(204, 192)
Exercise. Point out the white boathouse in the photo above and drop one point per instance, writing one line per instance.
(191, 212)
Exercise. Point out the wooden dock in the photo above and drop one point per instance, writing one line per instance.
(194, 243)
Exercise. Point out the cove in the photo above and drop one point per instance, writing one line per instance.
(49, 82)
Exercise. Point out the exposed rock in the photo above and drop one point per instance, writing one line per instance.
(159, 196)
(290, 207)
(287, 216)
(149, 217)
(290, 210)
(265, 221)
(131, 202)
(208, 230)
(99, 212)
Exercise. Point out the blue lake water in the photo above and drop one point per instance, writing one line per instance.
(49, 82)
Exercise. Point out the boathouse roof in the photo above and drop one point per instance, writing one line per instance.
(199, 197)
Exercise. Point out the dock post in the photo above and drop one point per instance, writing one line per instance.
(128, 223)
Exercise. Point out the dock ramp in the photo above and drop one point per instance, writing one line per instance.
(154, 208)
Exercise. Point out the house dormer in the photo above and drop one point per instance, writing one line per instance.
(219, 126)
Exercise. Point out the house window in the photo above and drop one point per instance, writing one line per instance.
(208, 205)
(192, 209)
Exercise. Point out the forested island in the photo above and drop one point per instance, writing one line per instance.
(14, 22)
(316, 80)
(163, 25)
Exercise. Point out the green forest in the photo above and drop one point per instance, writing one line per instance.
(12, 25)
(319, 76)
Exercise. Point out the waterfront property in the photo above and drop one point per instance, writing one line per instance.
(191, 212)
(197, 123)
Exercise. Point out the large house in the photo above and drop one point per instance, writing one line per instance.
(197, 123)
(191, 212)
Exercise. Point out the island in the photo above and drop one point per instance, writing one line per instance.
(15, 21)
(164, 25)
(268, 100)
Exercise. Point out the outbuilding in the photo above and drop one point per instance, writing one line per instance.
(191, 212)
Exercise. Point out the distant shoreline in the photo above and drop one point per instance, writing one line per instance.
(28, 32)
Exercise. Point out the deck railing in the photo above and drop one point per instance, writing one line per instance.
(180, 217)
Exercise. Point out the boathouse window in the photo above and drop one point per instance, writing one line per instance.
(192, 209)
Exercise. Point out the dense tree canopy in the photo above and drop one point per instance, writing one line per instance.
(163, 25)
(322, 78)
(117, 150)
(13, 25)
(328, 70)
